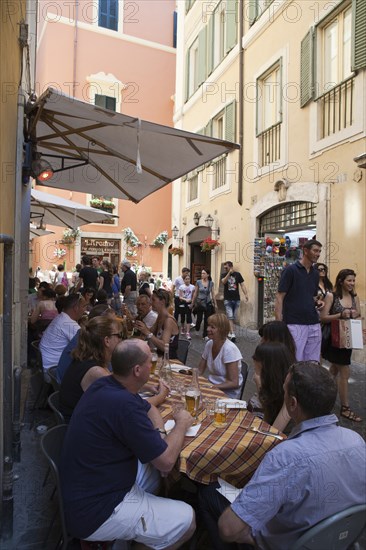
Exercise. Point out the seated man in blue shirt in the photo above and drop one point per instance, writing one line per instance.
(318, 471)
(106, 492)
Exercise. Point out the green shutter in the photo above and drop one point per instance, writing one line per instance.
(358, 34)
(202, 65)
(187, 77)
(208, 129)
(307, 68)
(231, 24)
(253, 4)
(210, 45)
(230, 134)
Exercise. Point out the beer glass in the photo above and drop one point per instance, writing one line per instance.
(220, 414)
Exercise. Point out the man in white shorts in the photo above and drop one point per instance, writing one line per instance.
(114, 449)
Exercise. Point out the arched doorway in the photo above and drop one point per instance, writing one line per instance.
(282, 231)
(199, 259)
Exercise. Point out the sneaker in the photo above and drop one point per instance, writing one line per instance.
(233, 337)
(192, 325)
(205, 338)
(188, 336)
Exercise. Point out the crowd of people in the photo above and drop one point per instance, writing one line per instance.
(101, 331)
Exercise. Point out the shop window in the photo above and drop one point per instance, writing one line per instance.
(269, 115)
(108, 14)
(288, 216)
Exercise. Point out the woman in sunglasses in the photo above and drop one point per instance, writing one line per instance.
(325, 284)
(91, 358)
(165, 330)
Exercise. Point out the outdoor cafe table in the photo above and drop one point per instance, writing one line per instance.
(232, 453)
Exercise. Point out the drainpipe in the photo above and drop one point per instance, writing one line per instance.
(7, 489)
(17, 380)
(75, 48)
(241, 103)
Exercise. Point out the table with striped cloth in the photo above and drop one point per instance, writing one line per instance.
(232, 453)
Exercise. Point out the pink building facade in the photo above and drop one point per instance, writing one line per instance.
(119, 55)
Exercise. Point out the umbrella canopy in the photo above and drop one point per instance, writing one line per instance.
(35, 231)
(103, 152)
(55, 210)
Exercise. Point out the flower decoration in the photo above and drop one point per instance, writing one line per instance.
(131, 254)
(102, 203)
(176, 251)
(209, 244)
(59, 253)
(160, 239)
(70, 235)
(130, 238)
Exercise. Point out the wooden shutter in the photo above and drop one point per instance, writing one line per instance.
(307, 68)
(210, 45)
(202, 66)
(187, 77)
(230, 133)
(231, 24)
(253, 5)
(208, 129)
(358, 34)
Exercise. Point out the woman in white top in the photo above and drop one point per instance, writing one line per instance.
(222, 357)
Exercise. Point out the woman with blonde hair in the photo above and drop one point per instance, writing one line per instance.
(222, 357)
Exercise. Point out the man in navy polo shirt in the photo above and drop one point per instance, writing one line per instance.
(296, 303)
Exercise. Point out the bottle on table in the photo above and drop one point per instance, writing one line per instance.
(166, 369)
(154, 360)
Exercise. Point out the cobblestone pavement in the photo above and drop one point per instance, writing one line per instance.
(33, 506)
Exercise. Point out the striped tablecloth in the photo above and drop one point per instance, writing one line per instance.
(232, 452)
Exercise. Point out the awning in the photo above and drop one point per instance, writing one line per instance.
(112, 154)
(53, 210)
(35, 231)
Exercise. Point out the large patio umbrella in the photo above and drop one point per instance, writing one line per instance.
(54, 210)
(35, 231)
(94, 150)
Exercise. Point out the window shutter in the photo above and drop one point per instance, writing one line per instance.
(307, 69)
(210, 45)
(231, 24)
(252, 11)
(358, 34)
(105, 101)
(230, 134)
(202, 66)
(188, 5)
(187, 76)
(208, 129)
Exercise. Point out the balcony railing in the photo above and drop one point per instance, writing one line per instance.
(270, 145)
(337, 108)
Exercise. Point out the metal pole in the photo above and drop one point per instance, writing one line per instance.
(7, 489)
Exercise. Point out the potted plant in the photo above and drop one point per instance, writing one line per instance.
(209, 244)
(130, 238)
(59, 253)
(176, 251)
(102, 204)
(69, 236)
(160, 239)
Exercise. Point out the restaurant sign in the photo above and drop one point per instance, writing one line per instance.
(100, 247)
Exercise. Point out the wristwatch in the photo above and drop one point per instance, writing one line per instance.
(150, 335)
(161, 431)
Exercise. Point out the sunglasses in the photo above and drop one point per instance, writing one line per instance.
(321, 269)
(118, 334)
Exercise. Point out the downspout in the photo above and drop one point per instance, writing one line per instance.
(75, 48)
(241, 103)
(7, 489)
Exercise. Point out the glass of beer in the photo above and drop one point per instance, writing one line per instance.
(154, 360)
(220, 414)
(192, 397)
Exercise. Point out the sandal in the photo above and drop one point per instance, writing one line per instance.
(350, 415)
